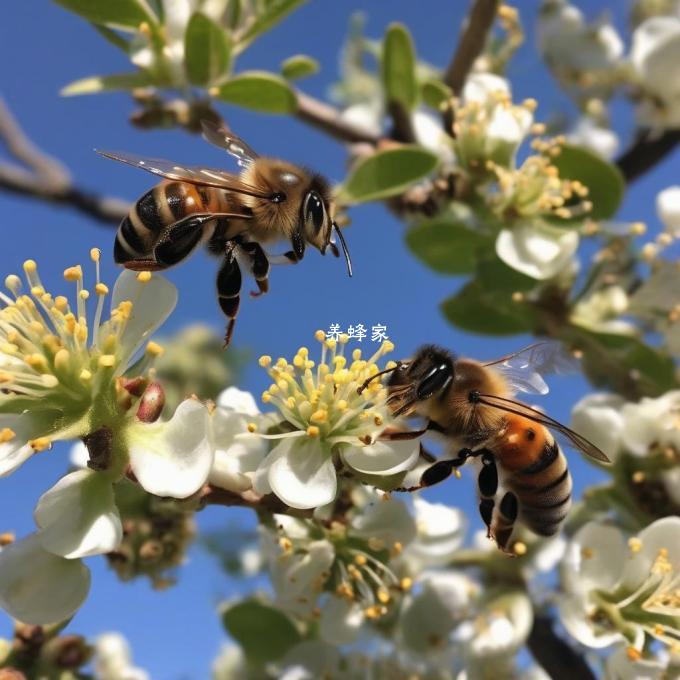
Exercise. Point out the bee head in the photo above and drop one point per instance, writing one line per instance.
(316, 219)
(429, 372)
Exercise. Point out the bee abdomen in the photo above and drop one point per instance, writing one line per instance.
(544, 492)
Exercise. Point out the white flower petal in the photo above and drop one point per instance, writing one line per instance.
(668, 209)
(78, 455)
(301, 472)
(238, 400)
(575, 619)
(340, 621)
(599, 418)
(651, 421)
(16, 450)
(152, 301)
(601, 140)
(38, 587)
(620, 666)
(78, 516)
(479, 87)
(594, 559)
(173, 458)
(663, 534)
(387, 520)
(383, 457)
(309, 660)
(540, 254)
(113, 659)
(236, 459)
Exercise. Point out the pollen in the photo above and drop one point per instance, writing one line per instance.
(360, 560)
(320, 336)
(519, 548)
(383, 596)
(634, 545)
(30, 267)
(587, 553)
(73, 273)
(101, 289)
(154, 349)
(252, 427)
(6, 435)
(40, 444)
(144, 277)
(107, 360)
(95, 254)
(633, 654)
(85, 375)
(6, 538)
(313, 431)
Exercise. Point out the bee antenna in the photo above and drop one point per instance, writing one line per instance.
(343, 245)
(367, 382)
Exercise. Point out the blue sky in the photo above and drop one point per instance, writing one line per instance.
(176, 633)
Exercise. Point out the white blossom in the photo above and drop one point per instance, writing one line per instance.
(621, 666)
(651, 421)
(541, 253)
(599, 418)
(62, 366)
(599, 311)
(668, 209)
(440, 533)
(620, 591)
(654, 57)
(588, 133)
(113, 659)
(333, 421)
(39, 587)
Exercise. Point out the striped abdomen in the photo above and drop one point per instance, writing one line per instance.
(544, 491)
(162, 206)
(535, 470)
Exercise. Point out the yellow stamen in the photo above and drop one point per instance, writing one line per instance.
(73, 273)
(252, 427)
(144, 277)
(101, 289)
(95, 254)
(406, 583)
(107, 360)
(154, 349)
(40, 444)
(6, 435)
(634, 544)
(312, 430)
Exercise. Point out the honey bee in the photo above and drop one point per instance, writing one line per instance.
(471, 404)
(234, 215)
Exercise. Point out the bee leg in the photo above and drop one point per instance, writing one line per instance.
(229, 292)
(259, 266)
(178, 240)
(505, 522)
(487, 484)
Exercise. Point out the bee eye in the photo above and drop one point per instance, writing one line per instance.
(314, 211)
(434, 381)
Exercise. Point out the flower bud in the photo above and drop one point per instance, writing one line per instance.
(151, 404)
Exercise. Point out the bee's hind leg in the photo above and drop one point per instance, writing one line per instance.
(259, 266)
(229, 292)
(440, 470)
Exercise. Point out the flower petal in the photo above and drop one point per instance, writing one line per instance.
(16, 450)
(383, 457)
(387, 520)
(38, 587)
(540, 254)
(598, 417)
(668, 209)
(78, 516)
(152, 301)
(173, 458)
(301, 473)
(238, 400)
(575, 619)
(340, 621)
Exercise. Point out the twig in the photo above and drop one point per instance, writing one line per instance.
(327, 118)
(559, 659)
(213, 495)
(646, 152)
(38, 175)
(471, 43)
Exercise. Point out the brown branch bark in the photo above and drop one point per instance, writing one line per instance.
(39, 175)
(559, 659)
(647, 150)
(471, 43)
(327, 118)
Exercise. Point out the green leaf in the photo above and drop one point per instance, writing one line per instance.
(399, 67)
(496, 276)
(207, 50)
(446, 245)
(275, 12)
(477, 310)
(264, 633)
(435, 93)
(259, 91)
(124, 14)
(623, 363)
(604, 180)
(299, 66)
(112, 37)
(387, 173)
(116, 81)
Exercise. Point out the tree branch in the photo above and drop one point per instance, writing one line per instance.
(555, 655)
(471, 43)
(41, 176)
(646, 152)
(327, 118)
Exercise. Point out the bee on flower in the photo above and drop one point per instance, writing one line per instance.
(330, 424)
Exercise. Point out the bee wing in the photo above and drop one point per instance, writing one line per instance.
(520, 409)
(227, 140)
(524, 369)
(210, 177)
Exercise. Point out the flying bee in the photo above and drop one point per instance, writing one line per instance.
(471, 405)
(234, 215)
